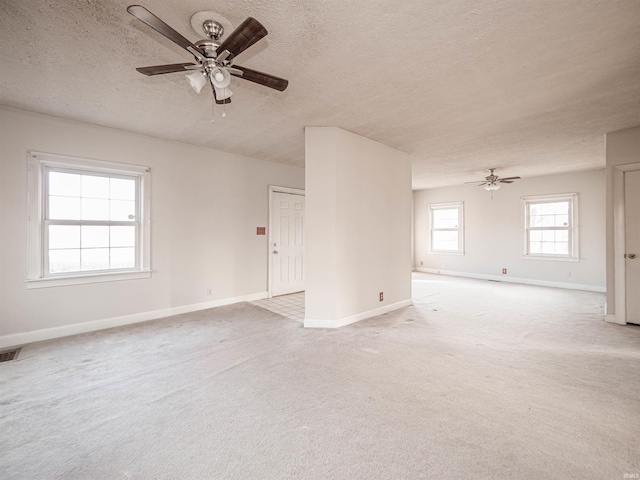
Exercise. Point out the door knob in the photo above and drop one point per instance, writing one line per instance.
(631, 256)
(275, 251)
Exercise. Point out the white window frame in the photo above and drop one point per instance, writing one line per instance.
(573, 228)
(460, 229)
(37, 165)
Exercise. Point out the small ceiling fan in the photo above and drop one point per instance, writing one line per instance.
(214, 60)
(492, 182)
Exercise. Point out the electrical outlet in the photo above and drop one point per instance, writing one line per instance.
(381, 296)
(209, 291)
(421, 262)
(504, 271)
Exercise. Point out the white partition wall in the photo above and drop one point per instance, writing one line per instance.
(358, 228)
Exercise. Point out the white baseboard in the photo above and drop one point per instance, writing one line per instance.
(16, 339)
(503, 278)
(613, 319)
(341, 322)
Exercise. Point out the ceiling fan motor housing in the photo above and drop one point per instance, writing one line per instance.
(209, 47)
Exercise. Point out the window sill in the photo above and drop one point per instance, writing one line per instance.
(445, 253)
(549, 257)
(86, 278)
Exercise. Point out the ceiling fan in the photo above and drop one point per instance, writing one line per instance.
(492, 182)
(213, 60)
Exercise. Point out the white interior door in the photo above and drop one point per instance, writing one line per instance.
(632, 244)
(287, 243)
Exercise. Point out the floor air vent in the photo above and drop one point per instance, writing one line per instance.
(9, 355)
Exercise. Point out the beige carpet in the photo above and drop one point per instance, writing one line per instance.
(477, 380)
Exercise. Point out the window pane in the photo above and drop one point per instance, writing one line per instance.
(95, 209)
(555, 248)
(95, 187)
(95, 259)
(548, 236)
(64, 208)
(95, 236)
(535, 235)
(123, 236)
(64, 261)
(64, 184)
(122, 209)
(556, 208)
(447, 241)
(535, 247)
(554, 214)
(445, 218)
(64, 236)
(123, 189)
(123, 257)
(536, 220)
(549, 242)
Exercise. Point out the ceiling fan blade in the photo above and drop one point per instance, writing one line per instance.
(481, 181)
(248, 33)
(159, 26)
(265, 79)
(509, 178)
(161, 69)
(220, 102)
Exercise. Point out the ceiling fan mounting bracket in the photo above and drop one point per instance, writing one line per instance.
(210, 25)
(212, 29)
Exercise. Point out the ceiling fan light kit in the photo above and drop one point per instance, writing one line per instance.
(214, 59)
(197, 80)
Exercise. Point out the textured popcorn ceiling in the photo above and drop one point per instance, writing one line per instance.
(529, 87)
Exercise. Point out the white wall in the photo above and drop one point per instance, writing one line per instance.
(494, 231)
(623, 147)
(358, 227)
(205, 207)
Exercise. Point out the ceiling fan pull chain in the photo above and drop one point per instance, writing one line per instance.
(213, 103)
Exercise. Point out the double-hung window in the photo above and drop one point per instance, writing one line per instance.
(446, 233)
(551, 229)
(88, 221)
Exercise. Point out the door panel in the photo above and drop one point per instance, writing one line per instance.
(632, 244)
(287, 243)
